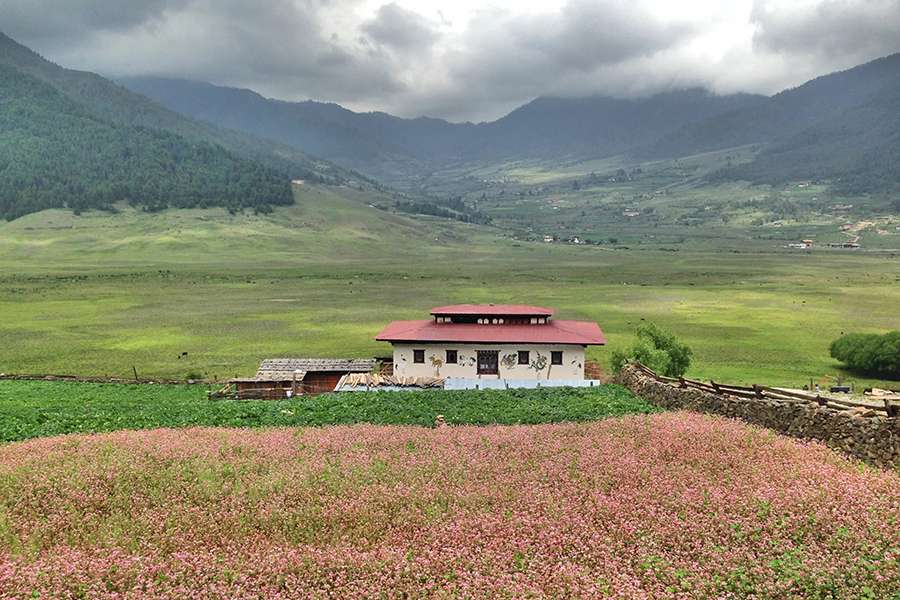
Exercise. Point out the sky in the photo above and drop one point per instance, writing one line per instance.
(460, 59)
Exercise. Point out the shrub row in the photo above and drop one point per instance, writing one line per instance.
(39, 408)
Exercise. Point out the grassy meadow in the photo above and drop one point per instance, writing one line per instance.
(99, 294)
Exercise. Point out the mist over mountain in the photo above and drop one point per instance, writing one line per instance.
(838, 127)
(378, 143)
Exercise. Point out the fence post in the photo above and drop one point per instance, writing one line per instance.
(681, 382)
(757, 390)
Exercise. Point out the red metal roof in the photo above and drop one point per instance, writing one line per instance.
(492, 309)
(555, 332)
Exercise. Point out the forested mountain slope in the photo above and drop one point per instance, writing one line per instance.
(56, 153)
(784, 114)
(107, 100)
(378, 143)
(841, 127)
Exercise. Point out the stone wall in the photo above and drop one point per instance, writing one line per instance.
(872, 438)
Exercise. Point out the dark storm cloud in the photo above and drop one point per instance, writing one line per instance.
(38, 19)
(562, 52)
(847, 30)
(414, 62)
(401, 29)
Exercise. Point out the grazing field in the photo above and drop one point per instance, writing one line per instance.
(673, 203)
(100, 294)
(31, 409)
(674, 505)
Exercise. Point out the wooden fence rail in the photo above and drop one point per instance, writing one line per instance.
(889, 406)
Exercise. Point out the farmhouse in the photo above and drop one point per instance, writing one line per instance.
(284, 377)
(491, 341)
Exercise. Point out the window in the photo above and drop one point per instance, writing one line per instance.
(418, 356)
(556, 357)
(524, 357)
(451, 357)
(487, 362)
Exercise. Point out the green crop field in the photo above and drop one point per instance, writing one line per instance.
(31, 409)
(102, 294)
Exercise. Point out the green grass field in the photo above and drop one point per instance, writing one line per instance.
(99, 294)
(31, 409)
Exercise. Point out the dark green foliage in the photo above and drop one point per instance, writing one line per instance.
(54, 153)
(459, 211)
(658, 349)
(40, 408)
(871, 354)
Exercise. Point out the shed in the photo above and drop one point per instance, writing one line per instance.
(277, 376)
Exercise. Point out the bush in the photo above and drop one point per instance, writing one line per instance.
(658, 349)
(869, 353)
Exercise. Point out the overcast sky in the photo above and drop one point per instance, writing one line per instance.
(460, 59)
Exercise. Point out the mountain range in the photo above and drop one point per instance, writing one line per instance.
(839, 127)
(391, 147)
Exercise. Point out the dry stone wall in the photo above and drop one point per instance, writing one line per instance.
(872, 438)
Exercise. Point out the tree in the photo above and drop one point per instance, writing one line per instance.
(869, 353)
(658, 349)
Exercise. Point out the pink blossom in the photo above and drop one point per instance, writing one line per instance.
(673, 505)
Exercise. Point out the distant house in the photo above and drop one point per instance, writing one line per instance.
(276, 377)
(494, 341)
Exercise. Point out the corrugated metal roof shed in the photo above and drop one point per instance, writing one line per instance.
(282, 369)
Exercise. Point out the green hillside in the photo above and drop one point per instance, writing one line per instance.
(114, 103)
(55, 153)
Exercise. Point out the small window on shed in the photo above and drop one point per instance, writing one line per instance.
(524, 357)
(556, 357)
(418, 356)
(451, 357)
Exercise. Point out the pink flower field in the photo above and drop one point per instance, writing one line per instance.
(672, 505)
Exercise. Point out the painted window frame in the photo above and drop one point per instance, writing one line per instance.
(452, 357)
(419, 356)
(556, 357)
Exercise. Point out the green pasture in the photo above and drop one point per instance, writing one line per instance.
(101, 294)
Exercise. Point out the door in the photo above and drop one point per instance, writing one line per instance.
(487, 362)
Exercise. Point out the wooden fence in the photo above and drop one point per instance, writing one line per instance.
(886, 406)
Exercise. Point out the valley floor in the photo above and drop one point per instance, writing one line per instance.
(207, 294)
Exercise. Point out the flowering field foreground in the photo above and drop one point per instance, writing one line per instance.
(672, 505)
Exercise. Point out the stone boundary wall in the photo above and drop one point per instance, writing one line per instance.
(872, 438)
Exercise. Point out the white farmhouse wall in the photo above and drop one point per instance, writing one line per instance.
(572, 366)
